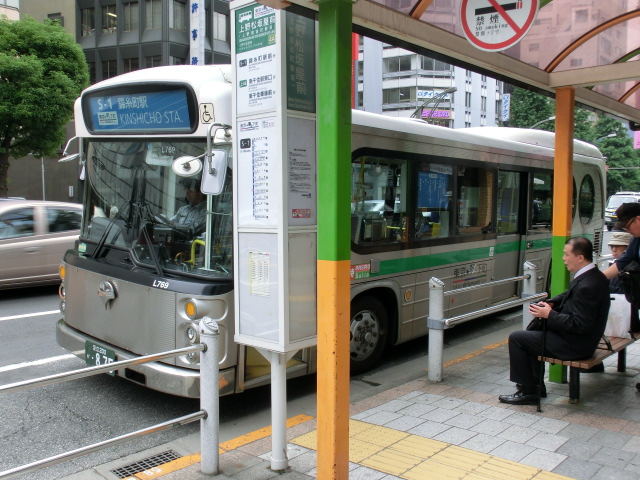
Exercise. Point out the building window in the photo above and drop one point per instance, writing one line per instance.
(396, 64)
(56, 17)
(581, 16)
(109, 19)
(109, 69)
(154, 61)
(220, 22)
(88, 21)
(92, 72)
(178, 20)
(398, 95)
(467, 99)
(154, 14)
(131, 64)
(130, 17)
(177, 61)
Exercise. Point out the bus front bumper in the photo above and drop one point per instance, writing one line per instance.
(157, 376)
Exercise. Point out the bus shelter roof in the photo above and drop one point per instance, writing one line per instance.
(592, 45)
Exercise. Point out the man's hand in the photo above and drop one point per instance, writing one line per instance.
(540, 309)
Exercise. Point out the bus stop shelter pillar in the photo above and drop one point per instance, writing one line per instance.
(562, 200)
(334, 192)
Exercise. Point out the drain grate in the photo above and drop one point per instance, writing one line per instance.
(145, 464)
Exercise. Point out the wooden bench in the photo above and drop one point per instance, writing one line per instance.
(607, 347)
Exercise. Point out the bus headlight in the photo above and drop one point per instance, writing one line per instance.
(193, 338)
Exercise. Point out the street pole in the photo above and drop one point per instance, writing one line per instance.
(43, 189)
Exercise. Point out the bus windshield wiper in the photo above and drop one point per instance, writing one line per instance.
(107, 230)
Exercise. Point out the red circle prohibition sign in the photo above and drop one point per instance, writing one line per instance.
(518, 15)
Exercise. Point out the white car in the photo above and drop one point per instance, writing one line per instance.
(34, 235)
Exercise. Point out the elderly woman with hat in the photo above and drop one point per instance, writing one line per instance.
(628, 222)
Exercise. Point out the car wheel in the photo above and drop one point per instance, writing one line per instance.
(369, 333)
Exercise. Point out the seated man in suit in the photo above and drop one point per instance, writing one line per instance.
(576, 320)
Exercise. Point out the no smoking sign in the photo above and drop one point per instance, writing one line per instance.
(495, 25)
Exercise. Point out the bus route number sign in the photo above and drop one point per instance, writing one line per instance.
(96, 355)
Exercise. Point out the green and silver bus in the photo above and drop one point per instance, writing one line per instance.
(466, 206)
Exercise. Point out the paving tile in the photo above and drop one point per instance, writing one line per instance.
(578, 432)
(482, 443)
(427, 398)
(364, 473)
(543, 459)
(464, 420)
(490, 427)
(472, 408)
(581, 451)
(497, 413)
(380, 417)
(609, 473)
(439, 415)
(455, 436)
(522, 419)
(575, 468)
(517, 434)
(612, 457)
(512, 451)
(405, 423)
(610, 439)
(429, 429)
(395, 405)
(547, 441)
(549, 425)
(633, 445)
(417, 409)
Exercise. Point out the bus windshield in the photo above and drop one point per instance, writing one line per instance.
(137, 204)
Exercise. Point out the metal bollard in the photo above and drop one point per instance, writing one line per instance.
(528, 289)
(435, 323)
(209, 397)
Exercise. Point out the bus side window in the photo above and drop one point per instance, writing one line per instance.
(541, 201)
(508, 202)
(376, 192)
(475, 200)
(433, 210)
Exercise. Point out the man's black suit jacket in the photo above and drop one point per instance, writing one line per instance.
(579, 316)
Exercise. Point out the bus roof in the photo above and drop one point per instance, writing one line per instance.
(509, 137)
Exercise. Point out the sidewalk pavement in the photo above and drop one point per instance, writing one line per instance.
(454, 429)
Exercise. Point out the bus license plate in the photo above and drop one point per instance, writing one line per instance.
(95, 354)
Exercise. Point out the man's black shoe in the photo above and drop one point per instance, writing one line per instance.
(543, 391)
(595, 369)
(519, 398)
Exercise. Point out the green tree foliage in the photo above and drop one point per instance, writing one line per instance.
(615, 144)
(529, 108)
(42, 71)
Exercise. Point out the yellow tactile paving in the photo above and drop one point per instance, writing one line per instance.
(308, 440)
(380, 436)
(392, 461)
(415, 458)
(359, 450)
(501, 469)
(419, 446)
(434, 470)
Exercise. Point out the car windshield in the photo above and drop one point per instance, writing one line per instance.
(136, 203)
(616, 201)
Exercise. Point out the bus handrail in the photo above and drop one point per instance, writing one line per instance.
(208, 413)
(436, 322)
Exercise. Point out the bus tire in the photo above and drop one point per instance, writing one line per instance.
(368, 333)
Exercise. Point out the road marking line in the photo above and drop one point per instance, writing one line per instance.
(43, 361)
(25, 315)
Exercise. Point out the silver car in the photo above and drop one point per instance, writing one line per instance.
(34, 235)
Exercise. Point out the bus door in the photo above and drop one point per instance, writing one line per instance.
(507, 259)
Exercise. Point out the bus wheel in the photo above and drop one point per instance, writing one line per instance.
(369, 328)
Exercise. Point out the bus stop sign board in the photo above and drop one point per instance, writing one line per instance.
(495, 25)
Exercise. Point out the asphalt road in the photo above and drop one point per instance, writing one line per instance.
(46, 421)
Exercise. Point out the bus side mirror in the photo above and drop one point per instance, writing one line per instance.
(214, 172)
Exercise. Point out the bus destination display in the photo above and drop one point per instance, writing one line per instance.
(160, 111)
